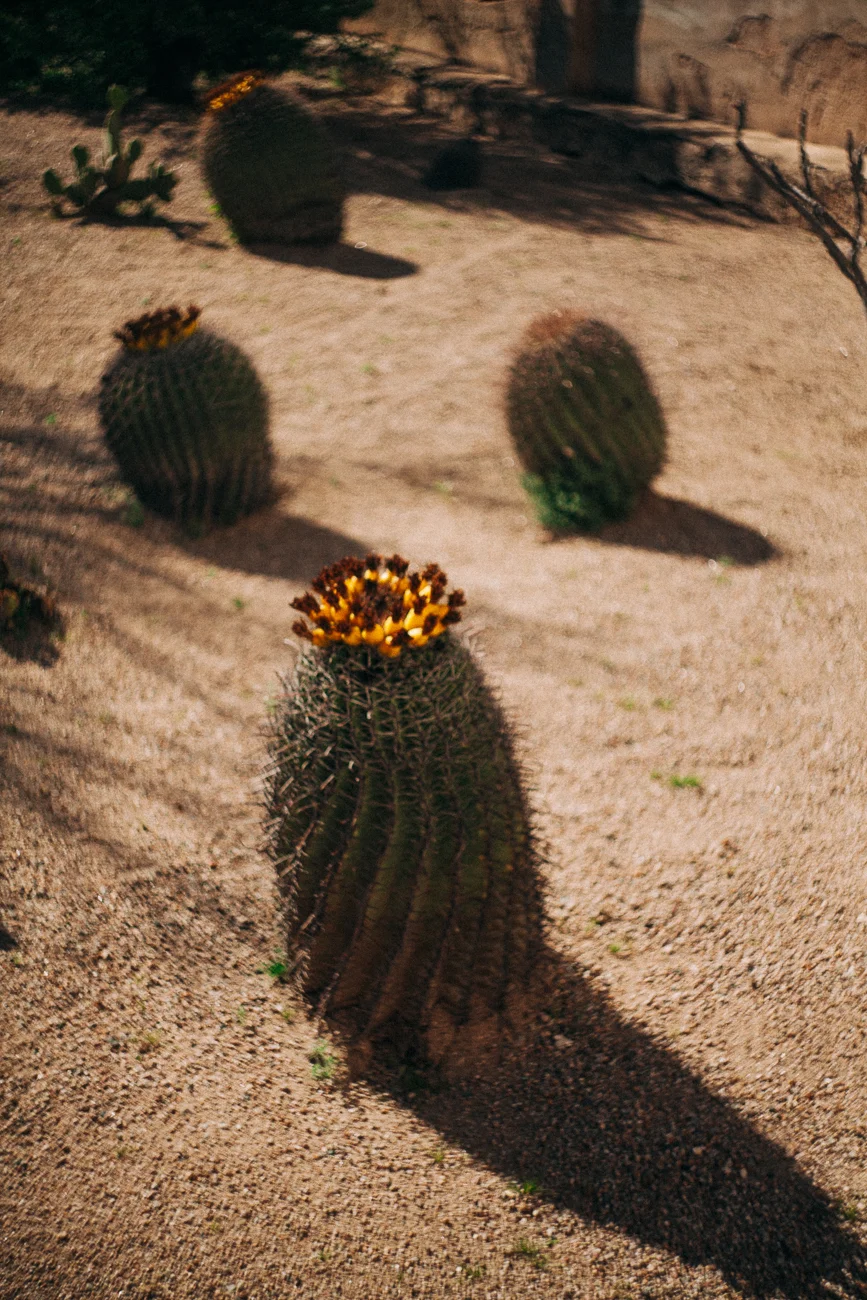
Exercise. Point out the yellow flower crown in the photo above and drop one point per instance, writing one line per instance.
(376, 602)
(229, 92)
(157, 329)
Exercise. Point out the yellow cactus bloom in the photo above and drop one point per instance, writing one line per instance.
(377, 602)
(159, 329)
(229, 92)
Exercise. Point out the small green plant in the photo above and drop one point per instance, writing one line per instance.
(99, 189)
(473, 1272)
(322, 1060)
(438, 1156)
(241, 1015)
(238, 602)
(664, 703)
(277, 969)
(629, 703)
(529, 1187)
(288, 1015)
(150, 1042)
(133, 514)
(51, 420)
(656, 775)
(684, 782)
(535, 1255)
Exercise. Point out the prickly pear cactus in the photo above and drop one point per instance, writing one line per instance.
(100, 189)
(270, 165)
(586, 423)
(398, 820)
(186, 417)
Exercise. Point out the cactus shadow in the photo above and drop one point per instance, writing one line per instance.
(616, 1128)
(342, 259)
(275, 545)
(40, 642)
(677, 527)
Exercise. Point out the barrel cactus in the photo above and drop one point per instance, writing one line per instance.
(585, 421)
(186, 417)
(270, 165)
(398, 820)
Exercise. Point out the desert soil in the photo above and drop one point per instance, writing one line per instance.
(690, 1118)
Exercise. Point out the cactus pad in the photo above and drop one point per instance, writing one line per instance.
(270, 165)
(399, 823)
(586, 423)
(186, 417)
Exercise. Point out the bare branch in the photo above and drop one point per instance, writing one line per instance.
(842, 245)
(805, 159)
(856, 178)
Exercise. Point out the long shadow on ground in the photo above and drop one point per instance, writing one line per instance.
(341, 259)
(389, 152)
(276, 546)
(680, 528)
(619, 1130)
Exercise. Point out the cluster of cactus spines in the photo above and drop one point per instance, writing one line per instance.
(270, 165)
(19, 604)
(585, 421)
(398, 819)
(186, 417)
(100, 188)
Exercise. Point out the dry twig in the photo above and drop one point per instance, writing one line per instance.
(842, 244)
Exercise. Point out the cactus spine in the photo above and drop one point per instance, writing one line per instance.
(586, 423)
(398, 819)
(270, 165)
(186, 417)
(100, 189)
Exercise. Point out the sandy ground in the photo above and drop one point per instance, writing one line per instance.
(691, 1118)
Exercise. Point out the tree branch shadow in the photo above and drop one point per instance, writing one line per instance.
(614, 1127)
(275, 545)
(389, 152)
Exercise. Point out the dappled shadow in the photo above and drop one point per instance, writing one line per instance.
(616, 1128)
(7, 941)
(275, 545)
(390, 152)
(680, 528)
(342, 259)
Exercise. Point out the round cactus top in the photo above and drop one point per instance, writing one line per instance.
(158, 329)
(376, 602)
(229, 92)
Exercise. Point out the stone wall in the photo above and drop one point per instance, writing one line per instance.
(695, 57)
(699, 56)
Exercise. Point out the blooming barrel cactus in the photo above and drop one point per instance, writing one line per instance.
(398, 819)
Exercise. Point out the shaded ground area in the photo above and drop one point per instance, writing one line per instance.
(688, 1118)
